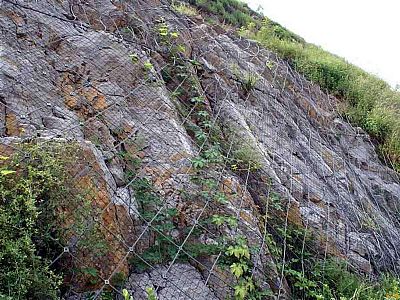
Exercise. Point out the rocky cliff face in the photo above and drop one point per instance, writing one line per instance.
(145, 91)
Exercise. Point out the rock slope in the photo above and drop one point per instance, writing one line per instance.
(95, 72)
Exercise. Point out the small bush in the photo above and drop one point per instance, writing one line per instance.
(313, 277)
(24, 189)
(245, 157)
(340, 283)
(40, 209)
(248, 80)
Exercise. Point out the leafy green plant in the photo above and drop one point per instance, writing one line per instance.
(163, 30)
(174, 35)
(244, 287)
(220, 220)
(151, 294)
(197, 100)
(167, 37)
(213, 154)
(4, 171)
(118, 280)
(198, 162)
(201, 249)
(340, 283)
(148, 65)
(26, 185)
(248, 80)
(239, 268)
(180, 48)
(200, 136)
(126, 295)
(42, 200)
(220, 198)
(240, 250)
(238, 258)
(243, 155)
(185, 89)
(270, 64)
(311, 276)
(90, 274)
(164, 247)
(275, 201)
(134, 58)
(203, 114)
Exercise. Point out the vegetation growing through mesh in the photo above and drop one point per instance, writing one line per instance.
(34, 188)
(231, 11)
(235, 254)
(184, 9)
(41, 209)
(369, 101)
(310, 276)
(24, 270)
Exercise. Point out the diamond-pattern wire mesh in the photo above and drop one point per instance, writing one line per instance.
(105, 110)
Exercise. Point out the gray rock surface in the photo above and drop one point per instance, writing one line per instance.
(67, 72)
(184, 282)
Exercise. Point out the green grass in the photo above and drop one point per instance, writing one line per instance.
(314, 277)
(341, 284)
(230, 11)
(185, 9)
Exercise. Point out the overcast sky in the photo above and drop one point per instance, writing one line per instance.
(365, 32)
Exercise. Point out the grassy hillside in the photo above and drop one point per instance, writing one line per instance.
(231, 11)
(369, 102)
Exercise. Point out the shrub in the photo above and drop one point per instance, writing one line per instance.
(28, 183)
(246, 157)
(40, 210)
(312, 276)
(340, 283)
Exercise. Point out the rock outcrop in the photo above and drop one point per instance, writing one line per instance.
(94, 72)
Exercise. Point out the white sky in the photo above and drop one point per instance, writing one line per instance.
(364, 32)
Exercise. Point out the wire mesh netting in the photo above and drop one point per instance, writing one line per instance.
(177, 160)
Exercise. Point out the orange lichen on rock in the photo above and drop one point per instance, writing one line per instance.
(294, 214)
(85, 100)
(95, 98)
(12, 126)
(109, 223)
(16, 18)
